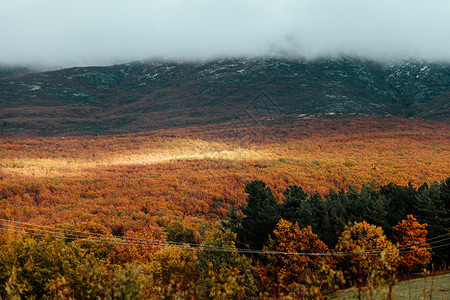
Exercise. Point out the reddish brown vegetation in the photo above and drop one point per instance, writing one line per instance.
(127, 181)
(413, 234)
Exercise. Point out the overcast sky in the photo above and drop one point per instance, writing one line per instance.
(100, 32)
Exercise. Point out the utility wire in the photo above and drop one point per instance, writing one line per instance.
(161, 242)
(134, 239)
(216, 249)
(82, 233)
(103, 238)
(198, 247)
(67, 231)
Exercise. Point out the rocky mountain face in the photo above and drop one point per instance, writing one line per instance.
(151, 95)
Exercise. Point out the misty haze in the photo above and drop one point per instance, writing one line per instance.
(81, 33)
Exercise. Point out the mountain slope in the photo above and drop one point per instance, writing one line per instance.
(10, 71)
(152, 95)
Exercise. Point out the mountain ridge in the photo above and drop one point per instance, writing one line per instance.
(143, 96)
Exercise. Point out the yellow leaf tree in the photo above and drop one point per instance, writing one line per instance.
(366, 253)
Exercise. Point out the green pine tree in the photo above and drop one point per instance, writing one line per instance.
(261, 215)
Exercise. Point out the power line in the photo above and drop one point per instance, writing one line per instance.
(217, 249)
(115, 242)
(130, 241)
(144, 242)
(416, 244)
(66, 231)
(82, 233)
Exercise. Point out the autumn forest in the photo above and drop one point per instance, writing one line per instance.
(296, 210)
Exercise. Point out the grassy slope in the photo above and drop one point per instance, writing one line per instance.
(435, 287)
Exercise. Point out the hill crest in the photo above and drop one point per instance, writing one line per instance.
(145, 96)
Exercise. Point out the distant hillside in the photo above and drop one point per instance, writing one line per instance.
(152, 95)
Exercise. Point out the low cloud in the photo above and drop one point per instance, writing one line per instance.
(101, 32)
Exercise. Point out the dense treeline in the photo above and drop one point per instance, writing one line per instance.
(358, 238)
(331, 214)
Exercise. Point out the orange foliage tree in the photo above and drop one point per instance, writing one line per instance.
(298, 275)
(411, 235)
